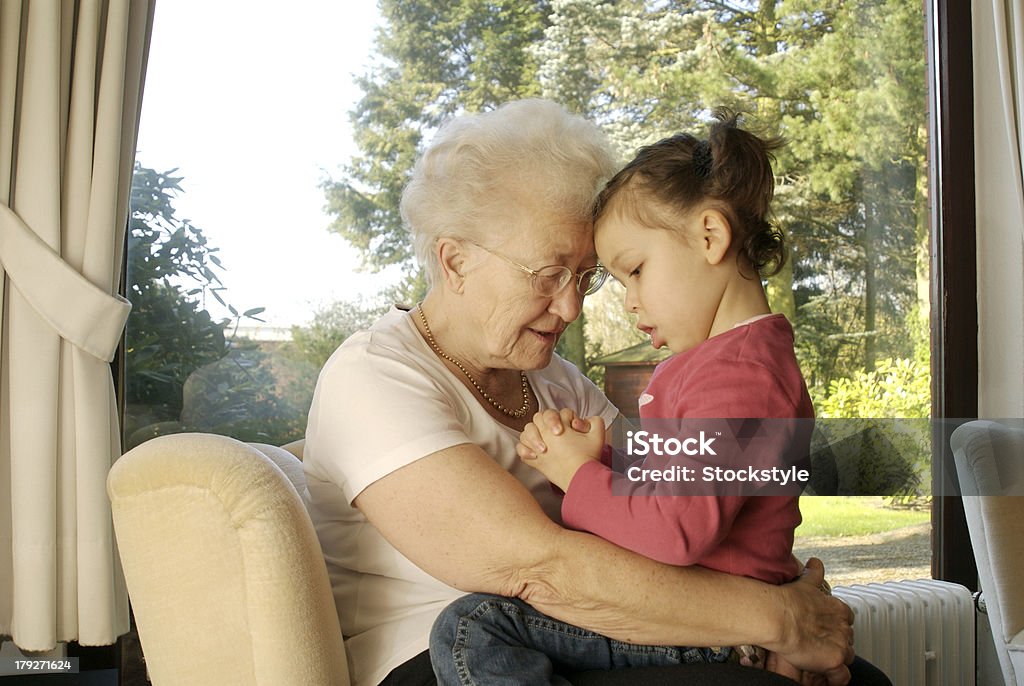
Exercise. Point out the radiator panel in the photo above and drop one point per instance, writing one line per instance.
(920, 633)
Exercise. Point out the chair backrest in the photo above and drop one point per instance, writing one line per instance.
(990, 466)
(223, 568)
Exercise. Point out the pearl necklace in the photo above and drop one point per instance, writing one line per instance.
(518, 414)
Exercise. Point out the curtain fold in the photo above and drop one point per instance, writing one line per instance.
(71, 75)
(998, 38)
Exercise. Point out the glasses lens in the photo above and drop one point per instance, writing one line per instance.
(550, 280)
(592, 279)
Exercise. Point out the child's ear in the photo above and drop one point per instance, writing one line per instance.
(716, 235)
(451, 255)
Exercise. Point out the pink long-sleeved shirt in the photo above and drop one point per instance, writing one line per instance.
(749, 371)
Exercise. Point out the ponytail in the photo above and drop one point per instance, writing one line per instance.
(742, 178)
(733, 167)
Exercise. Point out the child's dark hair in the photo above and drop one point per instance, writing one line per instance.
(731, 169)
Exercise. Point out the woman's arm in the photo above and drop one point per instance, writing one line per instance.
(463, 519)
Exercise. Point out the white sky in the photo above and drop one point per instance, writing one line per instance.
(250, 102)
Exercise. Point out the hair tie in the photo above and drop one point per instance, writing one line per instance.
(702, 161)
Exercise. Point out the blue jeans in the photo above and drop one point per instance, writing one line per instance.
(485, 640)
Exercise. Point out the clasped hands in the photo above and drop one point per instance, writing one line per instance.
(548, 447)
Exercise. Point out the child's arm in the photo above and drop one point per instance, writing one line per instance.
(646, 517)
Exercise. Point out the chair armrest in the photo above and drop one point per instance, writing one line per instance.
(223, 568)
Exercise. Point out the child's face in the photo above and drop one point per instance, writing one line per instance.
(669, 283)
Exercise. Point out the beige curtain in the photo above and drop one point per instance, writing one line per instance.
(71, 75)
(998, 28)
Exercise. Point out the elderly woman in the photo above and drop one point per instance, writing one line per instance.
(414, 484)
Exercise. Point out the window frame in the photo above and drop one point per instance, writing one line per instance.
(954, 285)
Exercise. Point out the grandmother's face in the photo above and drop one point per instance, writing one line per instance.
(517, 328)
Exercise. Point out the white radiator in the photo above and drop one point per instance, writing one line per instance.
(920, 633)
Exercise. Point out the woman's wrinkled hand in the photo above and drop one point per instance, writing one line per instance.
(819, 632)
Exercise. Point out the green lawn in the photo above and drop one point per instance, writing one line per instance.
(853, 516)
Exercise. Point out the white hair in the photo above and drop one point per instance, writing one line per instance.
(485, 165)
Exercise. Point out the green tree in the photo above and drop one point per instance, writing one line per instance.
(860, 149)
(882, 446)
(171, 270)
(435, 59)
(843, 81)
(183, 370)
(331, 325)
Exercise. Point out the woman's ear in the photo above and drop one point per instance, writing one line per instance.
(451, 255)
(716, 235)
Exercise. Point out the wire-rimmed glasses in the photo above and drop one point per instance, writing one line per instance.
(550, 280)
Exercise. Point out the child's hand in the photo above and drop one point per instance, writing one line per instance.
(752, 656)
(780, 665)
(563, 451)
(530, 442)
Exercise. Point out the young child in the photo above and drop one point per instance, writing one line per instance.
(684, 228)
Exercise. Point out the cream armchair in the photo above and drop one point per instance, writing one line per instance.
(990, 465)
(246, 602)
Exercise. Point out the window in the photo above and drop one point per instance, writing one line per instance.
(848, 86)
